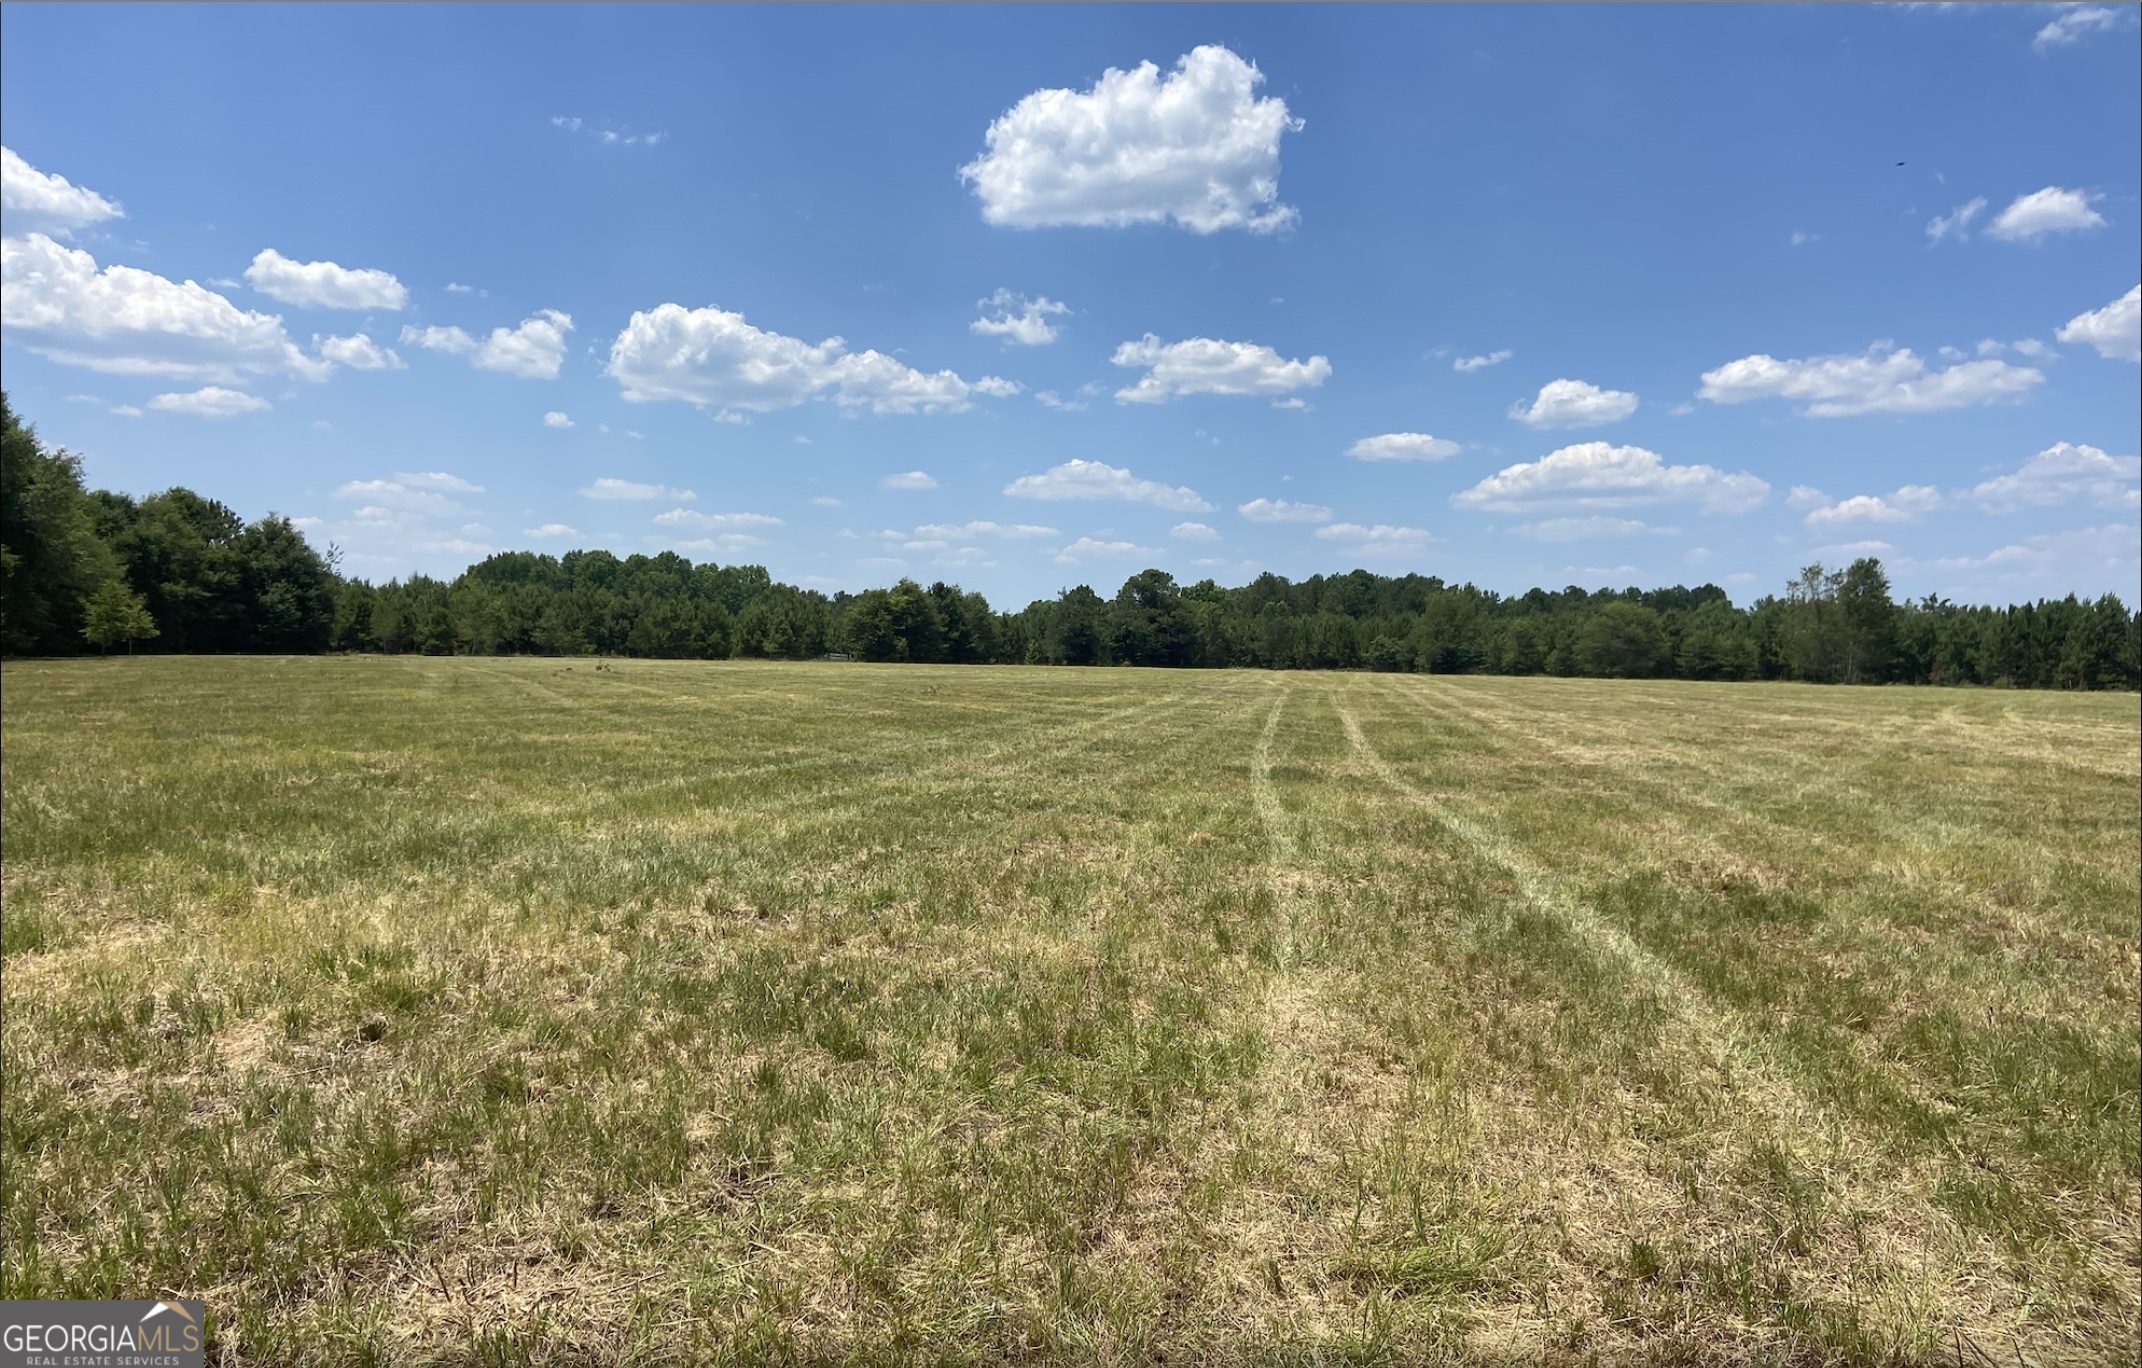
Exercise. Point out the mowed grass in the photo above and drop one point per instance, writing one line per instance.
(514, 1010)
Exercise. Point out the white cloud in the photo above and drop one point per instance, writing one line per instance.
(1805, 497)
(1853, 550)
(609, 487)
(1586, 529)
(967, 531)
(2061, 474)
(453, 287)
(419, 495)
(1380, 541)
(323, 284)
(1596, 475)
(1015, 318)
(1466, 365)
(1573, 404)
(358, 353)
(1051, 399)
(1956, 223)
(1801, 239)
(453, 341)
(1281, 511)
(2052, 210)
(550, 530)
(1196, 148)
(1091, 548)
(1402, 446)
(437, 479)
(825, 501)
(1881, 381)
(610, 137)
(2092, 559)
(1204, 365)
(1906, 504)
(909, 479)
(996, 387)
(555, 419)
(715, 522)
(713, 357)
(1193, 531)
(2035, 350)
(210, 402)
(533, 351)
(2069, 27)
(126, 321)
(2115, 330)
(33, 202)
(1077, 479)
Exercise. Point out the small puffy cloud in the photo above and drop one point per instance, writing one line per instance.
(997, 387)
(909, 479)
(1881, 381)
(1597, 475)
(33, 202)
(2030, 218)
(1204, 365)
(2069, 27)
(968, 531)
(323, 284)
(454, 287)
(1380, 541)
(1402, 446)
(2115, 330)
(358, 353)
(1587, 529)
(555, 419)
(711, 357)
(549, 530)
(1093, 548)
(1573, 404)
(1193, 531)
(1804, 497)
(1051, 399)
(452, 341)
(2061, 474)
(210, 402)
(1466, 365)
(1196, 148)
(1281, 511)
(1908, 504)
(1078, 479)
(421, 495)
(1015, 318)
(124, 321)
(2035, 350)
(1956, 223)
(715, 522)
(437, 479)
(533, 351)
(1801, 239)
(609, 487)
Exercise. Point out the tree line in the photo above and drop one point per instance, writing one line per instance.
(84, 570)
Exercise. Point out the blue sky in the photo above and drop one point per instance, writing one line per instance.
(1519, 295)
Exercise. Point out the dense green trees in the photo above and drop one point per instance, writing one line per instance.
(184, 573)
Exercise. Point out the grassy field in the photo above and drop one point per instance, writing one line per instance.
(502, 1010)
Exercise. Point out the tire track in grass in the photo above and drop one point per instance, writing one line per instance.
(1729, 1044)
(1869, 1167)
